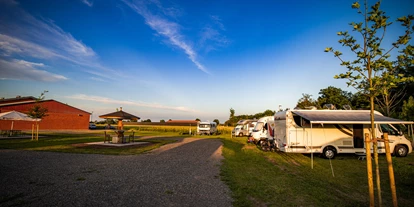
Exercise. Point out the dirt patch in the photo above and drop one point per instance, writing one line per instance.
(89, 146)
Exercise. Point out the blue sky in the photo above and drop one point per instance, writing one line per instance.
(170, 59)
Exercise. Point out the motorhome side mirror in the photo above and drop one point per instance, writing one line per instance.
(400, 133)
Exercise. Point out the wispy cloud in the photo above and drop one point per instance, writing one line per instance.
(211, 36)
(88, 2)
(131, 103)
(24, 70)
(160, 22)
(28, 37)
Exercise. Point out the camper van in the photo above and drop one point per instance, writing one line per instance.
(331, 132)
(207, 128)
(260, 130)
(243, 128)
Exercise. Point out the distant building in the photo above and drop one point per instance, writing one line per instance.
(60, 116)
(182, 122)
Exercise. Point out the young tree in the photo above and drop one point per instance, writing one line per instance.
(371, 71)
(232, 113)
(162, 121)
(38, 112)
(408, 109)
(197, 119)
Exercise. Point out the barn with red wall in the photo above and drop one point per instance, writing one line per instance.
(60, 116)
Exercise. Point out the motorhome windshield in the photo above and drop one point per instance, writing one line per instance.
(239, 126)
(259, 126)
(389, 129)
(204, 126)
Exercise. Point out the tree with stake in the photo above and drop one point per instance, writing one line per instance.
(38, 112)
(371, 71)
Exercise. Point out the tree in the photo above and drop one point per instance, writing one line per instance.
(335, 96)
(231, 112)
(217, 121)
(197, 119)
(360, 101)
(371, 72)
(38, 112)
(162, 121)
(306, 101)
(147, 120)
(408, 110)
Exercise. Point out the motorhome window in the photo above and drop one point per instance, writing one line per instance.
(204, 125)
(389, 129)
(259, 126)
(297, 120)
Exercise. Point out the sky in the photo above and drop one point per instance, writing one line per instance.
(174, 59)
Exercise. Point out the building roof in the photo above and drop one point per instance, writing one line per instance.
(346, 117)
(119, 115)
(28, 100)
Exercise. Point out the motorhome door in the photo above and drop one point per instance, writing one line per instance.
(358, 134)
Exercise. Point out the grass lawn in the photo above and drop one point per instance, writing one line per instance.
(73, 143)
(259, 178)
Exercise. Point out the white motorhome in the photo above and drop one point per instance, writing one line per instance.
(260, 130)
(244, 127)
(207, 128)
(335, 131)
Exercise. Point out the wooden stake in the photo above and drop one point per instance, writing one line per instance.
(390, 171)
(32, 131)
(369, 170)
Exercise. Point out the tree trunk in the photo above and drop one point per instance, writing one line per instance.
(375, 148)
(369, 170)
(390, 171)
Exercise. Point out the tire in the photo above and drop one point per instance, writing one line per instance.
(240, 134)
(329, 152)
(401, 151)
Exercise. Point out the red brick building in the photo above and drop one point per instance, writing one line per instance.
(60, 116)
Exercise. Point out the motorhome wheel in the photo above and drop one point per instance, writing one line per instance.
(329, 152)
(401, 151)
(240, 134)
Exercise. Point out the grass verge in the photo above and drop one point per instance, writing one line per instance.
(74, 143)
(259, 178)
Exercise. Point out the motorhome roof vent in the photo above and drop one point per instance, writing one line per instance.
(346, 107)
(329, 107)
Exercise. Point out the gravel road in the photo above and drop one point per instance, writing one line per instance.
(185, 173)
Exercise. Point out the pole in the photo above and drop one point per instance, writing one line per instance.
(37, 132)
(32, 131)
(311, 147)
(390, 171)
(369, 170)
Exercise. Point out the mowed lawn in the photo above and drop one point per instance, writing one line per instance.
(258, 178)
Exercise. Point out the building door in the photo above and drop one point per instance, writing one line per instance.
(358, 133)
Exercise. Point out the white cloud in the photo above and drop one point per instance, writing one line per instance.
(30, 37)
(24, 70)
(166, 28)
(88, 2)
(211, 37)
(131, 103)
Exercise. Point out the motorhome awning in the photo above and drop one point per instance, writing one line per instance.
(346, 117)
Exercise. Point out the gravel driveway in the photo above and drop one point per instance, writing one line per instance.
(185, 173)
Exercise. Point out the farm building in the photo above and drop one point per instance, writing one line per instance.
(60, 116)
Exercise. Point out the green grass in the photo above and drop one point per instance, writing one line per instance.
(259, 178)
(67, 143)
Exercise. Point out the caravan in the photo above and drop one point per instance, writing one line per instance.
(331, 132)
(260, 131)
(243, 127)
(207, 128)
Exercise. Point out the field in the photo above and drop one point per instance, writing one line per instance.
(258, 178)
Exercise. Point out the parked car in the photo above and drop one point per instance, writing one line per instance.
(92, 126)
(109, 127)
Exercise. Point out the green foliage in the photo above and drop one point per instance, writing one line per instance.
(306, 101)
(37, 111)
(232, 112)
(234, 119)
(147, 120)
(408, 110)
(371, 72)
(197, 119)
(217, 121)
(162, 121)
(360, 101)
(335, 96)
